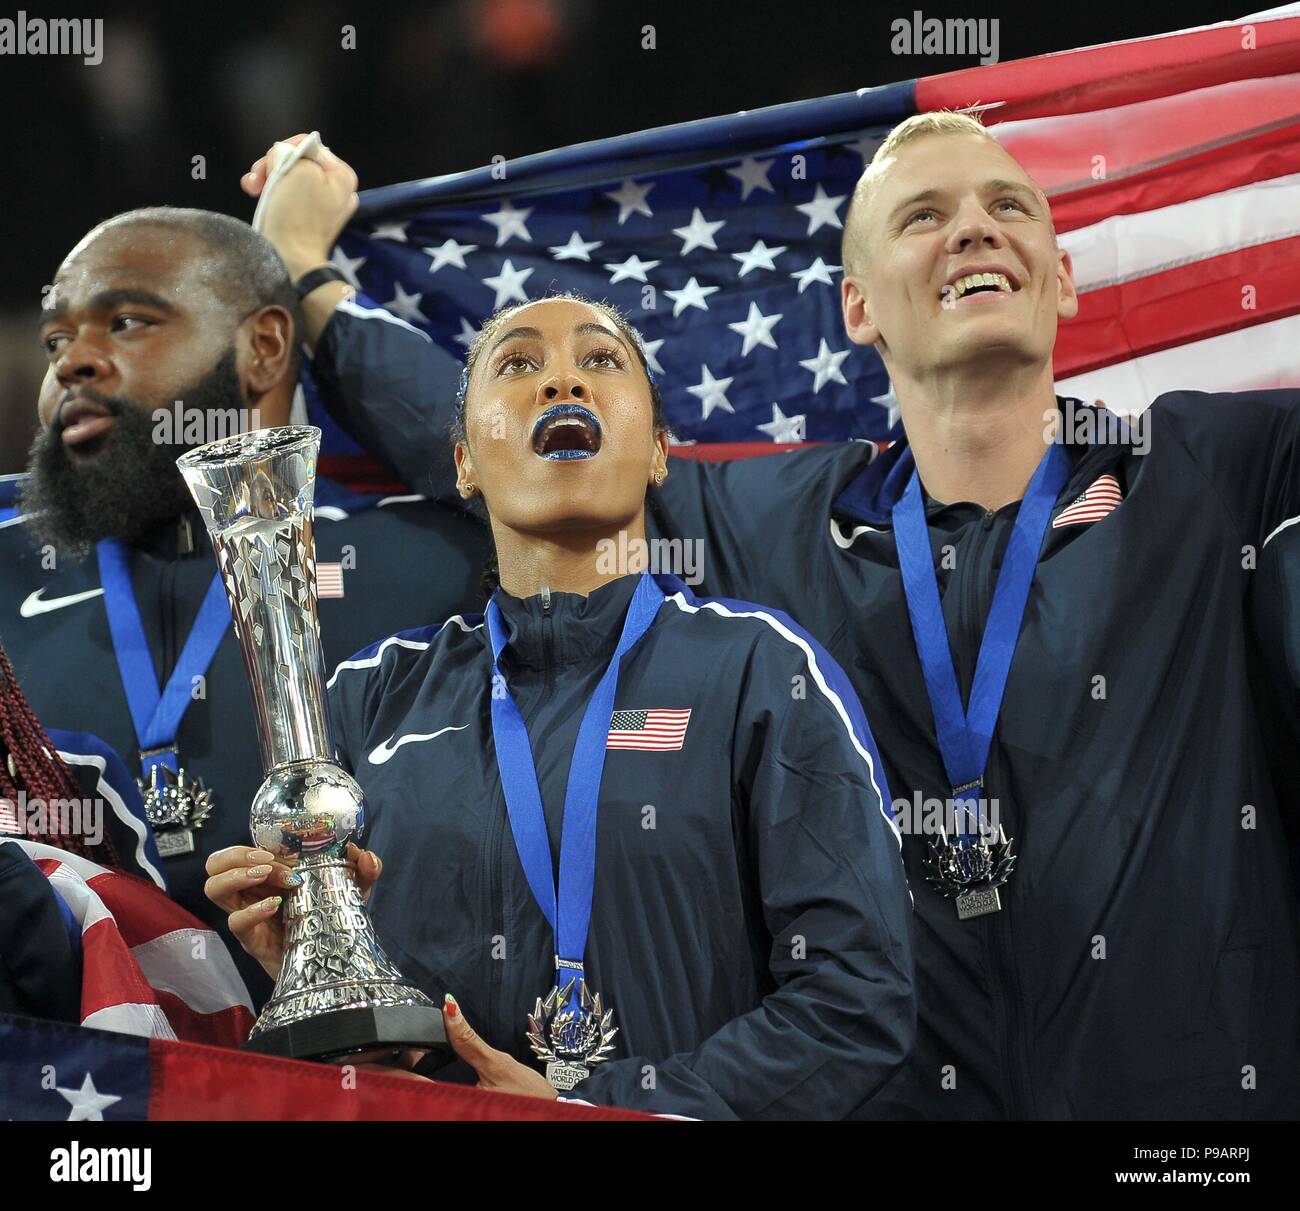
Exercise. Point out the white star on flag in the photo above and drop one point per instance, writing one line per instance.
(406, 305)
(651, 348)
(818, 271)
(631, 199)
(758, 257)
(468, 333)
(509, 285)
(821, 210)
(825, 367)
(633, 267)
(690, 295)
(577, 249)
(449, 253)
(509, 222)
(784, 429)
(756, 328)
(711, 392)
(88, 1104)
(390, 231)
(699, 234)
(752, 175)
(347, 265)
(888, 401)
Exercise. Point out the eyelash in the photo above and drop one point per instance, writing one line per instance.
(612, 354)
(926, 210)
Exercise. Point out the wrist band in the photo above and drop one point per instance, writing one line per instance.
(314, 278)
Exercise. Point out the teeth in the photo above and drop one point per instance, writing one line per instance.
(1000, 280)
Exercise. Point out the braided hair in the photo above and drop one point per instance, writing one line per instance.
(29, 762)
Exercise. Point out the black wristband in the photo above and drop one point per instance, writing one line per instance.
(316, 277)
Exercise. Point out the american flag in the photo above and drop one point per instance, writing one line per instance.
(1172, 165)
(148, 967)
(651, 731)
(1097, 499)
(329, 580)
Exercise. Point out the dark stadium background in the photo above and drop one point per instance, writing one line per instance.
(430, 88)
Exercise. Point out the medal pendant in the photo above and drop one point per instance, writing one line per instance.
(174, 808)
(970, 874)
(569, 1039)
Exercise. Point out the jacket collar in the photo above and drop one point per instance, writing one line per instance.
(565, 628)
(873, 493)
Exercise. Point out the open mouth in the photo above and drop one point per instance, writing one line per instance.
(565, 432)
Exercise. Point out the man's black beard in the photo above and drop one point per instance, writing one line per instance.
(128, 487)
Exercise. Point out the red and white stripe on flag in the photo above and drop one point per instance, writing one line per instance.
(650, 730)
(329, 580)
(148, 966)
(1172, 165)
(1099, 498)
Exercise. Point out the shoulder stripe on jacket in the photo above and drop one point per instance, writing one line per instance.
(864, 745)
(353, 308)
(369, 658)
(105, 787)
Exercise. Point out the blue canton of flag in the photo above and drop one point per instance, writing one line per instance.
(719, 238)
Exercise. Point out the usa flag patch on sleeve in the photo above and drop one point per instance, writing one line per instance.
(651, 730)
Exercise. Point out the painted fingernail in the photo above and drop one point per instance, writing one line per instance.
(271, 903)
(256, 872)
(259, 855)
(295, 879)
(452, 1008)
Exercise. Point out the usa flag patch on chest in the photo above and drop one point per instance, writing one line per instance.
(1101, 497)
(651, 730)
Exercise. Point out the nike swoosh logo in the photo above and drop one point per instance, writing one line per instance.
(390, 746)
(35, 605)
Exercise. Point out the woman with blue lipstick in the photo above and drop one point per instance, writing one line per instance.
(644, 838)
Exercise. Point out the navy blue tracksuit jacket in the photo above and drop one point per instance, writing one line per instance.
(750, 914)
(1144, 964)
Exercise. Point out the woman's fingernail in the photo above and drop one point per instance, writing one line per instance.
(295, 879)
(271, 903)
(256, 872)
(452, 1008)
(259, 855)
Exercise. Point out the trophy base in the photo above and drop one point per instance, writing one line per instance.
(340, 1032)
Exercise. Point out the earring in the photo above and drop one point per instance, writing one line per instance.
(470, 490)
(659, 477)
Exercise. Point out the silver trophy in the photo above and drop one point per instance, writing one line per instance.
(337, 992)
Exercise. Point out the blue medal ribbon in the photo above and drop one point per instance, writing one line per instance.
(156, 713)
(568, 909)
(965, 734)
